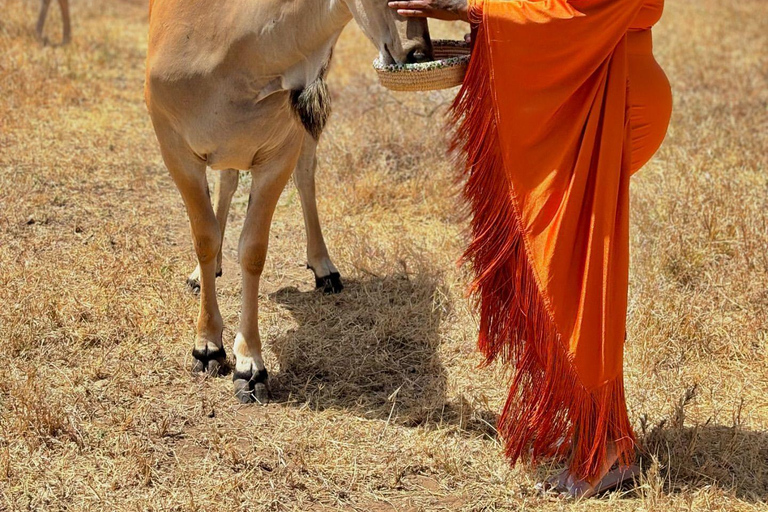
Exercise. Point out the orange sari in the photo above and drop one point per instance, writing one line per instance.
(551, 135)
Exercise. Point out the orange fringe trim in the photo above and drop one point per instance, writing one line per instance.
(548, 406)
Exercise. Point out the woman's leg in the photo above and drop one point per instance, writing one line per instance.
(650, 108)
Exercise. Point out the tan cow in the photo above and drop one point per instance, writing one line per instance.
(64, 5)
(238, 84)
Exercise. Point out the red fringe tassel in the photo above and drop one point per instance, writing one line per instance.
(548, 413)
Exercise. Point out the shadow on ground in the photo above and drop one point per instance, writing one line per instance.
(372, 350)
(732, 458)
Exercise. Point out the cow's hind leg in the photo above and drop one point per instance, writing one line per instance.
(67, 30)
(269, 179)
(327, 278)
(224, 187)
(188, 172)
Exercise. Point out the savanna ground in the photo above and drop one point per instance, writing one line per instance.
(379, 404)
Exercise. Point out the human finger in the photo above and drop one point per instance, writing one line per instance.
(413, 13)
(409, 4)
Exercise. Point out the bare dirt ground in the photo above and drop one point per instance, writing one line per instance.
(379, 404)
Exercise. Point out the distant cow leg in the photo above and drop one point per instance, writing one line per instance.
(269, 179)
(67, 36)
(327, 277)
(44, 5)
(224, 187)
(67, 30)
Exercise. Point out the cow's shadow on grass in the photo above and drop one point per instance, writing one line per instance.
(731, 458)
(372, 350)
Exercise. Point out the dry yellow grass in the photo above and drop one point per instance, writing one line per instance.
(379, 404)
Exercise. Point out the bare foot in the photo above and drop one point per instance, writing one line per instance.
(613, 479)
(567, 485)
(554, 483)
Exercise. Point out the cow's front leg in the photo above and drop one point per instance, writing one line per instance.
(269, 179)
(224, 187)
(188, 172)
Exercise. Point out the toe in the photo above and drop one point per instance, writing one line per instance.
(260, 393)
(214, 368)
(243, 391)
(554, 483)
(251, 386)
(198, 366)
(209, 360)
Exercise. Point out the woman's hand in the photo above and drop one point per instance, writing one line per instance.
(450, 10)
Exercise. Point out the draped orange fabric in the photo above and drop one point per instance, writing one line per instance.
(553, 118)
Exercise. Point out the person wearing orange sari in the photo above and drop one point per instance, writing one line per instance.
(562, 103)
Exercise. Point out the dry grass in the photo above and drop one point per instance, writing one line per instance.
(380, 405)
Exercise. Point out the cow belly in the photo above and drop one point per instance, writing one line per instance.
(223, 160)
(232, 134)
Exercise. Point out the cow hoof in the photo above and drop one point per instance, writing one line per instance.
(216, 367)
(251, 387)
(329, 284)
(212, 362)
(193, 283)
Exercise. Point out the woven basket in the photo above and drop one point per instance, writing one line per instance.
(446, 71)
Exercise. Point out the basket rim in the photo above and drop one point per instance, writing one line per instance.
(422, 67)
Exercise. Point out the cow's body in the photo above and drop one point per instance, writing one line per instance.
(222, 80)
